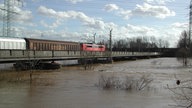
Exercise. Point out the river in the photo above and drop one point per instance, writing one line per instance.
(74, 87)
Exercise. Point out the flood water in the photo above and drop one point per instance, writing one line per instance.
(76, 88)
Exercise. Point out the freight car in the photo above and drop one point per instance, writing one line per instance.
(12, 43)
(43, 45)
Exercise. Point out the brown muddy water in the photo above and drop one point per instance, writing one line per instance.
(73, 87)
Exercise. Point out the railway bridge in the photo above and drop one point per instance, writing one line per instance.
(11, 56)
(33, 57)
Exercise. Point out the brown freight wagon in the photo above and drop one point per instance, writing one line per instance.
(47, 45)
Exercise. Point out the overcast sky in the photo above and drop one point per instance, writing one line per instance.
(76, 20)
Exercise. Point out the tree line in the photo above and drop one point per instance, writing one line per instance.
(137, 44)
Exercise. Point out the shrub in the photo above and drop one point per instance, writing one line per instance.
(126, 83)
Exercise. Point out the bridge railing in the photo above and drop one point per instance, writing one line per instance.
(8, 54)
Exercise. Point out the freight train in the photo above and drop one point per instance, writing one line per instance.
(47, 45)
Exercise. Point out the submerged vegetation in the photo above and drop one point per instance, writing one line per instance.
(125, 83)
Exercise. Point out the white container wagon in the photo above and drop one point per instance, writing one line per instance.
(12, 43)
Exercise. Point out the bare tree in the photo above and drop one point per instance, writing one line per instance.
(183, 54)
(183, 41)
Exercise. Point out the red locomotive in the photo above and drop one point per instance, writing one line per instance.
(92, 47)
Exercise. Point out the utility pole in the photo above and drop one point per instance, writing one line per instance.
(110, 45)
(190, 22)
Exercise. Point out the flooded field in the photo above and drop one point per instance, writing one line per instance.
(73, 87)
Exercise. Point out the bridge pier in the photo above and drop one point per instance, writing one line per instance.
(109, 60)
(26, 65)
(35, 64)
